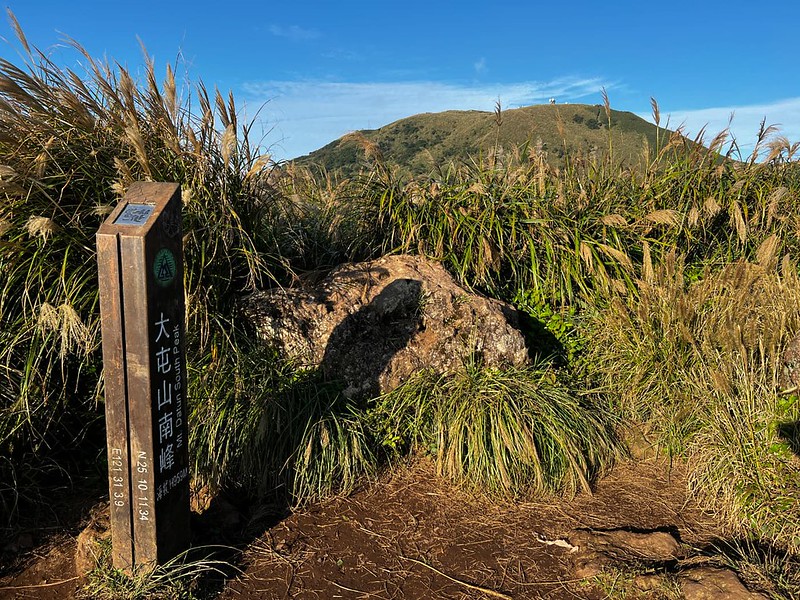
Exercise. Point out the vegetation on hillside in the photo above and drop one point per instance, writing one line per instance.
(70, 146)
(422, 144)
(670, 291)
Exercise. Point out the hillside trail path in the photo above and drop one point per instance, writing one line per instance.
(411, 534)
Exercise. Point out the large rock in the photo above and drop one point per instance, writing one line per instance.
(595, 550)
(789, 375)
(371, 325)
(622, 544)
(710, 583)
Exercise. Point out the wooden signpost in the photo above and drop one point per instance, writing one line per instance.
(140, 260)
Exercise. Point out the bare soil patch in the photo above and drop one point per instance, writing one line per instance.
(414, 535)
(37, 555)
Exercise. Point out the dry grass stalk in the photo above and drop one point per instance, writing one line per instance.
(780, 195)
(618, 255)
(693, 218)
(614, 220)
(718, 141)
(737, 220)
(65, 322)
(38, 226)
(102, 210)
(228, 144)
(767, 252)
(665, 216)
(587, 255)
(370, 149)
(711, 207)
(647, 264)
(656, 112)
(134, 137)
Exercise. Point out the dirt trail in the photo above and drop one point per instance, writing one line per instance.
(412, 535)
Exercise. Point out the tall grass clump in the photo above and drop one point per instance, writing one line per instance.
(178, 578)
(336, 451)
(324, 221)
(697, 364)
(505, 227)
(286, 436)
(764, 567)
(70, 144)
(747, 472)
(513, 224)
(509, 433)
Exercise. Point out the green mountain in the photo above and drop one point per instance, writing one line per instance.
(421, 142)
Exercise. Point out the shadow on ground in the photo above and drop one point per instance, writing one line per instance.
(790, 433)
(348, 376)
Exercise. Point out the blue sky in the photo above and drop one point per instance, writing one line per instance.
(315, 70)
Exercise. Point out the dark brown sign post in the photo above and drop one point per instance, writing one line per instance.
(140, 260)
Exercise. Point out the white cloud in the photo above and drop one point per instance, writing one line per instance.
(293, 33)
(745, 124)
(306, 115)
(480, 66)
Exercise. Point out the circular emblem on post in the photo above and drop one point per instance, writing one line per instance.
(164, 267)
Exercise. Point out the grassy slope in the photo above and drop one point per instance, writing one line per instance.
(421, 142)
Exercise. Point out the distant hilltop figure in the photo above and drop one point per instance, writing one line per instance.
(552, 100)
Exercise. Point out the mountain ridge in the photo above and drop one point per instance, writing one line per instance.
(417, 144)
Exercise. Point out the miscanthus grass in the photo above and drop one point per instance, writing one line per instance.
(285, 436)
(70, 144)
(509, 433)
(698, 364)
(669, 281)
(510, 222)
